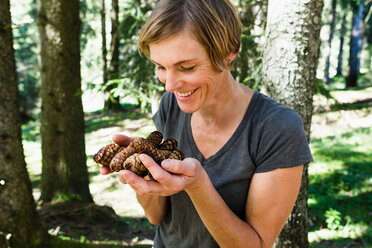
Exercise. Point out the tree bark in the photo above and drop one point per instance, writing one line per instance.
(114, 62)
(355, 47)
(112, 102)
(329, 46)
(341, 50)
(20, 225)
(103, 35)
(64, 168)
(289, 72)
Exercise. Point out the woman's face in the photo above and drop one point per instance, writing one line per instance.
(183, 65)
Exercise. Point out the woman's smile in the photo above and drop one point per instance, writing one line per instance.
(184, 95)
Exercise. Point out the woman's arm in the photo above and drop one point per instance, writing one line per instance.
(270, 200)
(155, 206)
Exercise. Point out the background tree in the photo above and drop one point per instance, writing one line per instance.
(113, 102)
(64, 168)
(289, 71)
(104, 48)
(342, 39)
(367, 33)
(329, 45)
(356, 40)
(19, 222)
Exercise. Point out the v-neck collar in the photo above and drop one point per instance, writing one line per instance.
(229, 144)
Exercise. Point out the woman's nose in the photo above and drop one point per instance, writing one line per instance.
(170, 81)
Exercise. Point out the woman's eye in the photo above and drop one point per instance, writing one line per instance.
(158, 67)
(186, 69)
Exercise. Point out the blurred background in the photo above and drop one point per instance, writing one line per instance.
(120, 91)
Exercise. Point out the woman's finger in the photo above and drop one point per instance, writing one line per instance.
(156, 171)
(104, 170)
(122, 139)
(125, 175)
(186, 167)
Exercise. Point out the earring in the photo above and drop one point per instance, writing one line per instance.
(229, 61)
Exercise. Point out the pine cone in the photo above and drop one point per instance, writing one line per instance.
(127, 157)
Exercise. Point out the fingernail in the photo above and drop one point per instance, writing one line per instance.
(142, 157)
(165, 164)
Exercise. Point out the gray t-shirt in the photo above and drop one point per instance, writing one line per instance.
(270, 136)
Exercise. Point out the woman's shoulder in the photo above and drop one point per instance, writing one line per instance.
(270, 112)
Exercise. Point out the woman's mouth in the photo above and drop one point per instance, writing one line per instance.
(185, 93)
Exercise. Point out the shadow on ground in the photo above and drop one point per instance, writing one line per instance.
(95, 224)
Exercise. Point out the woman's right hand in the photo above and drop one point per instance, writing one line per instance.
(155, 207)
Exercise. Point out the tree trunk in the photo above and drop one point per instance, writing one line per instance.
(103, 35)
(341, 50)
(64, 168)
(355, 47)
(329, 46)
(289, 71)
(19, 222)
(112, 102)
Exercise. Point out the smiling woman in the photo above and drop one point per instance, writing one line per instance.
(244, 152)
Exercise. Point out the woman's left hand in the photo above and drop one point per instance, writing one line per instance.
(171, 177)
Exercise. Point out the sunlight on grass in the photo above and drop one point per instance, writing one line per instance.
(340, 188)
(351, 231)
(106, 190)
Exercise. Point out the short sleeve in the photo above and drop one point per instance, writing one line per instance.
(282, 142)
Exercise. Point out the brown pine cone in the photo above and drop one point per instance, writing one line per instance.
(127, 157)
(106, 153)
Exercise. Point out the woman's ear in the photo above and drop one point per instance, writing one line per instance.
(231, 57)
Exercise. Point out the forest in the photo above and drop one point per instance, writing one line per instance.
(71, 76)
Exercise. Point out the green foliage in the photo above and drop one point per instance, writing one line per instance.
(333, 219)
(340, 185)
(25, 45)
(247, 68)
(137, 78)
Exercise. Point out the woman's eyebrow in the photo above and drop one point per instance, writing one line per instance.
(177, 63)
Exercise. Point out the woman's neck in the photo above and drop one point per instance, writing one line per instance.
(229, 104)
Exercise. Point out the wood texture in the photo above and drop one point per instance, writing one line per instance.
(289, 72)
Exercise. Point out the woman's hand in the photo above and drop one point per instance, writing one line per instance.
(171, 177)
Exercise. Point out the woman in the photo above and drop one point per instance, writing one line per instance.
(244, 152)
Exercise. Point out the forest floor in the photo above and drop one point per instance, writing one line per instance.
(117, 220)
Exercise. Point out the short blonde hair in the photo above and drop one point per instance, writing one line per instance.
(214, 23)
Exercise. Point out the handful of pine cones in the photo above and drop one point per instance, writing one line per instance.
(118, 157)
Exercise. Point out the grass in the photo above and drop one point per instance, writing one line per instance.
(129, 228)
(340, 179)
(340, 189)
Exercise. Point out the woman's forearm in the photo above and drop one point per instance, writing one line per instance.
(155, 207)
(226, 228)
